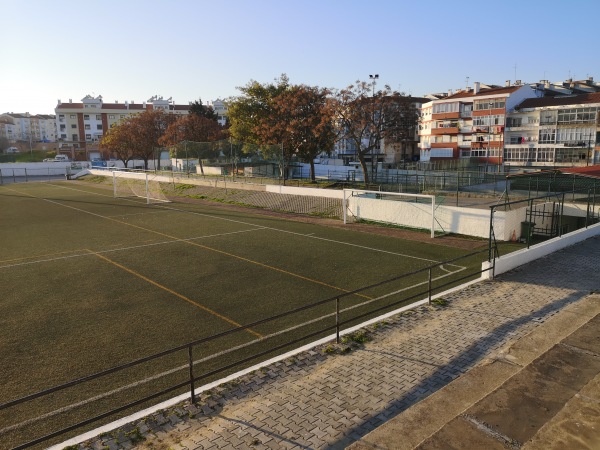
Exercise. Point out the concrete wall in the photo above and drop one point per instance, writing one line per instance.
(448, 219)
(526, 255)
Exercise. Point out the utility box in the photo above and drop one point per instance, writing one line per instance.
(527, 231)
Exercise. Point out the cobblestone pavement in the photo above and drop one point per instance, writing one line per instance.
(324, 399)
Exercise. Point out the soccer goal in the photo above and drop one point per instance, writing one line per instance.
(138, 184)
(402, 209)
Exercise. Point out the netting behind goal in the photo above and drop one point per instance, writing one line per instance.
(138, 184)
(407, 210)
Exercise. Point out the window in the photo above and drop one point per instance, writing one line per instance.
(88, 137)
(86, 117)
(61, 118)
(63, 136)
(75, 137)
(62, 127)
(547, 136)
(73, 116)
(73, 125)
(98, 116)
(98, 127)
(577, 115)
(87, 126)
(111, 116)
(442, 108)
(490, 103)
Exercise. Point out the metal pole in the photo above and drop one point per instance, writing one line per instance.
(337, 320)
(191, 370)
(429, 286)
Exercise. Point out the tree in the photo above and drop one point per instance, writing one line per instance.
(137, 136)
(248, 111)
(4, 144)
(367, 118)
(301, 119)
(198, 109)
(195, 132)
(117, 142)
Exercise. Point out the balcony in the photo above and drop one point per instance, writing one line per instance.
(446, 115)
(466, 114)
(444, 130)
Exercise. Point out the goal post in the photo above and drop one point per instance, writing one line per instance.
(138, 184)
(402, 209)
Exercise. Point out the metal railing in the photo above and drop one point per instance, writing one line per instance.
(343, 318)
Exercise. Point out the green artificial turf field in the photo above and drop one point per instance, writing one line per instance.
(90, 282)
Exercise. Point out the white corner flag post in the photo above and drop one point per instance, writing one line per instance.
(147, 191)
(344, 205)
(432, 216)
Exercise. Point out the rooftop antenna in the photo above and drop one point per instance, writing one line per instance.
(467, 83)
(515, 71)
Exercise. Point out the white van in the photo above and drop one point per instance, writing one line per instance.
(12, 150)
(58, 158)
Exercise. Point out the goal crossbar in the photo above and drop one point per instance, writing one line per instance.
(137, 184)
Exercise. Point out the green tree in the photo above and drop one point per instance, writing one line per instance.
(250, 110)
(199, 109)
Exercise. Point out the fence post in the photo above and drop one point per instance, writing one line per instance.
(337, 320)
(429, 285)
(191, 367)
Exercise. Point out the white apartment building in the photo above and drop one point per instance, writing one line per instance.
(220, 107)
(554, 131)
(28, 129)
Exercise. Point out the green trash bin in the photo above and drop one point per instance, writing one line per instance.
(527, 231)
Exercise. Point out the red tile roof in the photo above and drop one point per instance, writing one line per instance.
(590, 171)
(560, 101)
(484, 92)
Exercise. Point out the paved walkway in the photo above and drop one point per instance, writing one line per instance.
(325, 399)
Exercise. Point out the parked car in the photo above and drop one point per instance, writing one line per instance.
(12, 150)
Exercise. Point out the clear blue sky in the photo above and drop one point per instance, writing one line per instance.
(133, 49)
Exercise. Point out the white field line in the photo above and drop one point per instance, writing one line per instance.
(208, 358)
(173, 241)
(309, 235)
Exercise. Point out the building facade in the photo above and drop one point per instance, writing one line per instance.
(469, 123)
(80, 126)
(554, 131)
(28, 129)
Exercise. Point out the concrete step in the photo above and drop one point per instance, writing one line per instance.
(541, 392)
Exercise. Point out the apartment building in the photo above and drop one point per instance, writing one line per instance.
(220, 107)
(81, 125)
(554, 131)
(470, 123)
(27, 128)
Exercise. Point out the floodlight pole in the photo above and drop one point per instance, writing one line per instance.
(374, 78)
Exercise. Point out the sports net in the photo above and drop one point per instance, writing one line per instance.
(401, 209)
(139, 184)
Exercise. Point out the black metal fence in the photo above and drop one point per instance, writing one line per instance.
(286, 331)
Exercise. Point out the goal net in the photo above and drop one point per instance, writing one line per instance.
(138, 184)
(401, 209)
